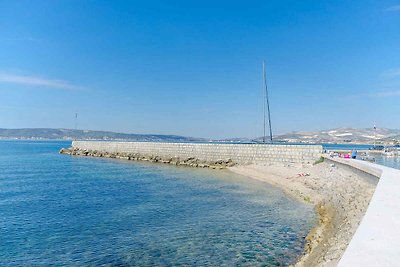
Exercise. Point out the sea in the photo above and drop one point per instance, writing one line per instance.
(59, 210)
(389, 161)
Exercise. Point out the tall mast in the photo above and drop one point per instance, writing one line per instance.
(264, 102)
(266, 99)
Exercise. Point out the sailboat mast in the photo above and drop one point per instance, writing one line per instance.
(267, 100)
(264, 96)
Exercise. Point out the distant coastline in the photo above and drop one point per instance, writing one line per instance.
(333, 136)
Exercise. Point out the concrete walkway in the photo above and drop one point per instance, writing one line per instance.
(377, 239)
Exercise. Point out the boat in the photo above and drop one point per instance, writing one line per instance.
(377, 147)
(391, 151)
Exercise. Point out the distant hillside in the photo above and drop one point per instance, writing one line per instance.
(69, 134)
(339, 135)
(342, 135)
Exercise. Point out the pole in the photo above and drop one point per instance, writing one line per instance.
(264, 97)
(76, 120)
(267, 98)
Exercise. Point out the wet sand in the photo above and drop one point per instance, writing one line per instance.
(340, 196)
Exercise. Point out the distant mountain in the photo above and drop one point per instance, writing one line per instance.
(339, 135)
(342, 135)
(69, 134)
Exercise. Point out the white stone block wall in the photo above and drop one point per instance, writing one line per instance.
(239, 153)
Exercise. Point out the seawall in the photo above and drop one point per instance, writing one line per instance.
(375, 243)
(211, 152)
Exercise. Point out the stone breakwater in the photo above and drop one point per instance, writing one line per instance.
(205, 153)
(191, 161)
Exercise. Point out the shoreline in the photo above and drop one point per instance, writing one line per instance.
(340, 203)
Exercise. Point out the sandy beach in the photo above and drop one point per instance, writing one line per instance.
(340, 196)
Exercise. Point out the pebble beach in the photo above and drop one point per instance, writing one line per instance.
(340, 197)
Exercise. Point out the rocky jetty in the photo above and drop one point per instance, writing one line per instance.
(191, 161)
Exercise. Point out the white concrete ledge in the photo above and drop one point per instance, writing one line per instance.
(372, 169)
(377, 239)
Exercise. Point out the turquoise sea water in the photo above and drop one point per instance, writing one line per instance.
(69, 211)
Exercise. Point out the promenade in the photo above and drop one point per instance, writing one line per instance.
(376, 241)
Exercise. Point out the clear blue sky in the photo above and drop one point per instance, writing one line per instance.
(194, 67)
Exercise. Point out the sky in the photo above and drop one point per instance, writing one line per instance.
(194, 68)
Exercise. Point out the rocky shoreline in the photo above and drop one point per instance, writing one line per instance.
(190, 161)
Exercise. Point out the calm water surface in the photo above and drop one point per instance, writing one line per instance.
(393, 162)
(69, 211)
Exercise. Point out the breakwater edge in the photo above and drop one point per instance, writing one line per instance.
(340, 196)
(215, 156)
(174, 160)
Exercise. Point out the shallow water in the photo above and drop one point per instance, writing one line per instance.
(62, 210)
(393, 162)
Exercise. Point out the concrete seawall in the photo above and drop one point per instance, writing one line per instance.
(375, 242)
(238, 153)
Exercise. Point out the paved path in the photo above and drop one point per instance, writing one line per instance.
(377, 239)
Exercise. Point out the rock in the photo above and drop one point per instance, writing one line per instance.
(230, 163)
(65, 151)
(189, 161)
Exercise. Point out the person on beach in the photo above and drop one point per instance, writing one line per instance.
(354, 154)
